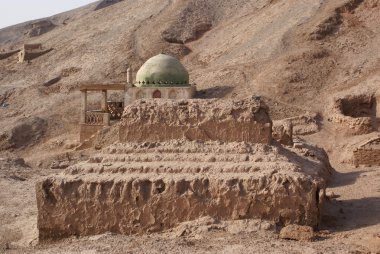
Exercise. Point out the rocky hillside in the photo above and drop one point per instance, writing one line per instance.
(297, 54)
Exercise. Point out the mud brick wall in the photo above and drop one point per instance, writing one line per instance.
(367, 156)
(225, 120)
(137, 188)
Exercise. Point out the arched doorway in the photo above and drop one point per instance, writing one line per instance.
(140, 95)
(157, 94)
(173, 94)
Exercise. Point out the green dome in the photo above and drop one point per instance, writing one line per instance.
(162, 70)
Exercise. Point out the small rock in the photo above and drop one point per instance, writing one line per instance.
(324, 232)
(331, 195)
(59, 165)
(211, 159)
(297, 232)
(20, 162)
(71, 144)
(298, 145)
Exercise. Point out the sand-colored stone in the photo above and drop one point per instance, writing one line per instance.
(297, 232)
(139, 188)
(283, 132)
(368, 153)
(226, 120)
(355, 112)
(31, 51)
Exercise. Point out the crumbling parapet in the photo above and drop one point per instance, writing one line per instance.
(355, 112)
(31, 51)
(225, 120)
(368, 153)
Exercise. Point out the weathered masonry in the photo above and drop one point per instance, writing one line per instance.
(31, 51)
(368, 153)
(196, 119)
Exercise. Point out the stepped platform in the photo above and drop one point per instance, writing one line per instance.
(152, 186)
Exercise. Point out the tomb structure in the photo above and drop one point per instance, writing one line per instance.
(367, 153)
(197, 119)
(196, 158)
(180, 159)
(30, 51)
(356, 112)
(162, 76)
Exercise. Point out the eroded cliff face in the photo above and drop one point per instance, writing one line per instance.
(225, 120)
(139, 188)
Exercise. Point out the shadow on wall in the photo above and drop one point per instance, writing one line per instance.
(214, 92)
(106, 3)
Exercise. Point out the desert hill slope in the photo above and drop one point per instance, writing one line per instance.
(299, 55)
(295, 53)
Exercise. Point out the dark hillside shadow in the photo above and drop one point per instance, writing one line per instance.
(216, 92)
(106, 3)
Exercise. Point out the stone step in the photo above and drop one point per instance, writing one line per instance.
(188, 148)
(167, 157)
(176, 167)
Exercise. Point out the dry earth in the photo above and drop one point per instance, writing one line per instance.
(297, 54)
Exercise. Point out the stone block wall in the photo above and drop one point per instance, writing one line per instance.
(367, 157)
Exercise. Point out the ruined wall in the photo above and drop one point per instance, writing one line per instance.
(367, 157)
(31, 51)
(149, 187)
(304, 124)
(32, 47)
(357, 113)
(225, 120)
(282, 131)
(41, 27)
(27, 56)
